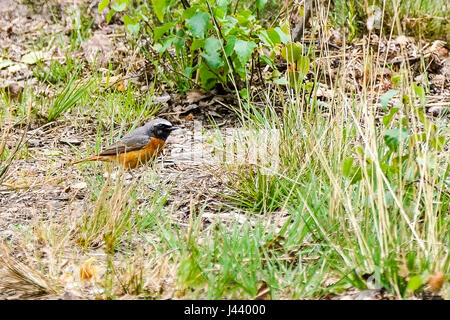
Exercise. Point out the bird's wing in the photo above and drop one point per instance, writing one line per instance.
(127, 143)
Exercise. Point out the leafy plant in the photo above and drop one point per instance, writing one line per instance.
(212, 45)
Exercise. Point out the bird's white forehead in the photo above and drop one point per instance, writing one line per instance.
(158, 121)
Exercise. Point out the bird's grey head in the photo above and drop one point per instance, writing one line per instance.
(159, 128)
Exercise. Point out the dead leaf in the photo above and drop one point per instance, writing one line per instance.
(34, 56)
(99, 49)
(436, 280)
(65, 277)
(121, 86)
(79, 185)
(87, 270)
(263, 292)
(195, 95)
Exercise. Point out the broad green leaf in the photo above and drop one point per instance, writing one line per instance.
(267, 61)
(160, 31)
(414, 283)
(207, 78)
(270, 37)
(420, 92)
(197, 44)
(303, 65)
(292, 52)
(394, 137)
(284, 37)
(213, 59)
(229, 47)
(159, 6)
(143, 16)
(212, 45)
(120, 5)
(198, 24)
(281, 81)
(102, 5)
(5, 63)
(260, 4)
(189, 12)
(33, 57)
(131, 24)
(386, 97)
(347, 166)
(244, 50)
(388, 118)
(134, 28)
(244, 93)
(188, 71)
(110, 15)
(180, 40)
(223, 4)
(285, 27)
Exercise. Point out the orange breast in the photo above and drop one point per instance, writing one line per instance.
(134, 158)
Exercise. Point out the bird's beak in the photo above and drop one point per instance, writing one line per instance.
(174, 128)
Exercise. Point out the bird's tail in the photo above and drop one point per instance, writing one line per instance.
(94, 158)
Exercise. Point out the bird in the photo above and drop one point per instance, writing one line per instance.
(137, 147)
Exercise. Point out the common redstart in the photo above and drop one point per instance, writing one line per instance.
(137, 147)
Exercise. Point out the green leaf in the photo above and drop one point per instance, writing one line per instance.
(207, 78)
(198, 24)
(292, 52)
(347, 166)
(420, 92)
(120, 5)
(386, 97)
(229, 47)
(213, 60)
(102, 5)
(394, 137)
(388, 118)
(284, 37)
(267, 61)
(260, 4)
(212, 45)
(159, 6)
(134, 28)
(143, 16)
(5, 63)
(244, 50)
(160, 31)
(281, 81)
(33, 57)
(303, 65)
(131, 24)
(110, 15)
(414, 283)
(197, 44)
(223, 4)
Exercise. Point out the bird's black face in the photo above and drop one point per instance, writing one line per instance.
(162, 130)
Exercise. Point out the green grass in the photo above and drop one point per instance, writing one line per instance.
(70, 95)
(424, 18)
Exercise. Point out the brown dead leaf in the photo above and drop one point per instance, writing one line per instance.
(436, 280)
(121, 86)
(263, 292)
(65, 277)
(87, 270)
(195, 95)
(99, 49)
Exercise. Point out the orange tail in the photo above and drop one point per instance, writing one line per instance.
(94, 158)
